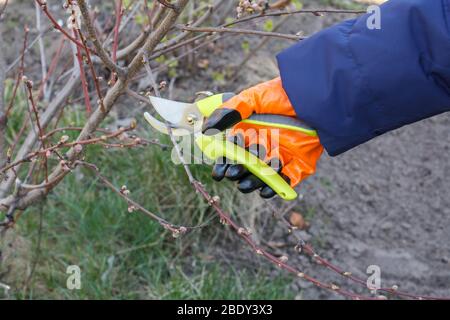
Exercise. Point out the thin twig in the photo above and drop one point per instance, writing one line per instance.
(133, 205)
(3, 8)
(56, 25)
(28, 143)
(29, 86)
(41, 47)
(165, 49)
(94, 74)
(37, 252)
(101, 53)
(28, 47)
(252, 52)
(65, 144)
(21, 70)
(119, 13)
(241, 31)
(84, 84)
(51, 69)
(3, 112)
(315, 12)
(167, 4)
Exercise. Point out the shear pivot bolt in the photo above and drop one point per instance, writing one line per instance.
(191, 119)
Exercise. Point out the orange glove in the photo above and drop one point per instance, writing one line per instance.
(294, 154)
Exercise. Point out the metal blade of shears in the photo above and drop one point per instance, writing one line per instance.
(179, 114)
(162, 127)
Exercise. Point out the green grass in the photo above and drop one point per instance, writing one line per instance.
(126, 255)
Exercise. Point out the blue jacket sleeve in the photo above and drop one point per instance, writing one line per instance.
(353, 83)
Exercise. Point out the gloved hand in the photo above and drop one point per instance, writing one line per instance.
(294, 156)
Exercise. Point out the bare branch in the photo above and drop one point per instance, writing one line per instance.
(53, 64)
(318, 12)
(119, 13)
(3, 117)
(3, 8)
(155, 38)
(84, 84)
(101, 53)
(280, 4)
(51, 110)
(134, 45)
(29, 87)
(41, 47)
(98, 115)
(133, 205)
(43, 5)
(159, 12)
(253, 51)
(241, 31)
(183, 35)
(94, 74)
(27, 48)
(21, 70)
(167, 4)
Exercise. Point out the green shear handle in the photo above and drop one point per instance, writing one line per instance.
(216, 146)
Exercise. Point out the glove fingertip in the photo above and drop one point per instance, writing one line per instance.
(267, 192)
(250, 184)
(236, 172)
(219, 169)
(221, 119)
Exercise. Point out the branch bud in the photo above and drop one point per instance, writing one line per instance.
(78, 148)
(124, 190)
(64, 139)
(334, 287)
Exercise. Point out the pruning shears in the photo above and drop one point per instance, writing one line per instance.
(187, 118)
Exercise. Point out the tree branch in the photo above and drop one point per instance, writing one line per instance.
(241, 31)
(41, 47)
(3, 8)
(51, 110)
(101, 53)
(3, 117)
(317, 13)
(43, 5)
(98, 115)
(168, 5)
